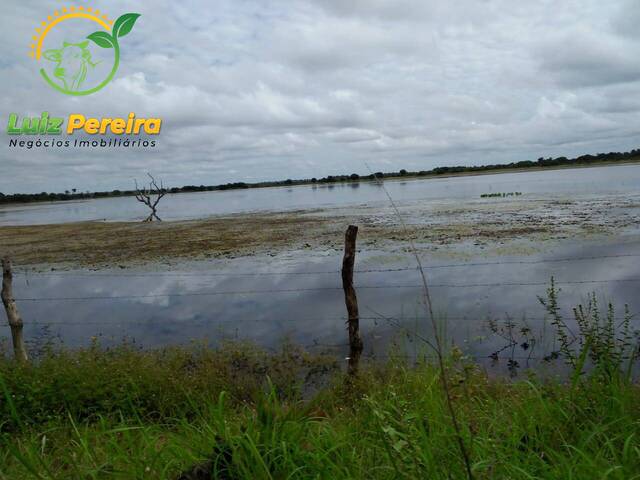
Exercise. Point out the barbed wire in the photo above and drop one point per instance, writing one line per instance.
(317, 289)
(419, 357)
(164, 321)
(203, 274)
(423, 356)
(29, 273)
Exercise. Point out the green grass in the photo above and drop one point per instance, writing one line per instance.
(131, 414)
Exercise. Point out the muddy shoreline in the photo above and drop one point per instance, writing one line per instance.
(486, 226)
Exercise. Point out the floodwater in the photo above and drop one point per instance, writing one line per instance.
(297, 295)
(600, 180)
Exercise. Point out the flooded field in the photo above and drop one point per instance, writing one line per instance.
(188, 206)
(274, 277)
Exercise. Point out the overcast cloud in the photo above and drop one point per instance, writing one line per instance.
(259, 90)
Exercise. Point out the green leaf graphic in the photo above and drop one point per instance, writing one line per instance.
(102, 39)
(124, 24)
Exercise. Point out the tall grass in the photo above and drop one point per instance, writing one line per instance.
(243, 413)
(597, 340)
(392, 422)
(439, 344)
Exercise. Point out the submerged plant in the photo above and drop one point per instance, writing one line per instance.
(611, 347)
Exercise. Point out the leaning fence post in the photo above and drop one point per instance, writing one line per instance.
(353, 322)
(13, 316)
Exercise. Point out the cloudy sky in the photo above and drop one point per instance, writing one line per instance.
(258, 90)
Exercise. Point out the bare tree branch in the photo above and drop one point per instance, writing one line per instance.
(151, 196)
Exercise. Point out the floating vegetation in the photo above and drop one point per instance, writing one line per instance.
(501, 194)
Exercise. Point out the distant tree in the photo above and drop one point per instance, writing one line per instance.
(151, 196)
(403, 172)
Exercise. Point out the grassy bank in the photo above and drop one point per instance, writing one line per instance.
(245, 413)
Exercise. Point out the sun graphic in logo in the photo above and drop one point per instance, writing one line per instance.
(77, 60)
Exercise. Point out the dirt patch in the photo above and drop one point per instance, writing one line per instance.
(496, 224)
(92, 244)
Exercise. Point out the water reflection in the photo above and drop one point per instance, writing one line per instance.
(200, 301)
(545, 184)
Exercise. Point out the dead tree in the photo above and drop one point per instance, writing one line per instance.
(13, 316)
(151, 196)
(351, 300)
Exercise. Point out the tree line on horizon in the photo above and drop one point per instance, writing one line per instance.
(74, 194)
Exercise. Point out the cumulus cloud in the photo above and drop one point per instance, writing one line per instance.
(258, 90)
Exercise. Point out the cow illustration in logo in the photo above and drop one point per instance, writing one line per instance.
(73, 61)
(72, 64)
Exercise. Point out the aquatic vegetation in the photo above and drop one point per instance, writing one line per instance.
(609, 345)
(589, 340)
(501, 195)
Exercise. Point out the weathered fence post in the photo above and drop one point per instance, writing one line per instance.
(355, 342)
(15, 322)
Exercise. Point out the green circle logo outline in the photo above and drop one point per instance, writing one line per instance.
(121, 27)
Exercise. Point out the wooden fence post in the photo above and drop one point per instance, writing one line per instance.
(15, 322)
(355, 342)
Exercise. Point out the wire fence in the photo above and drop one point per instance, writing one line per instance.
(393, 320)
(34, 273)
(297, 319)
(230, 274)
(316, 289)
(30, 274)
